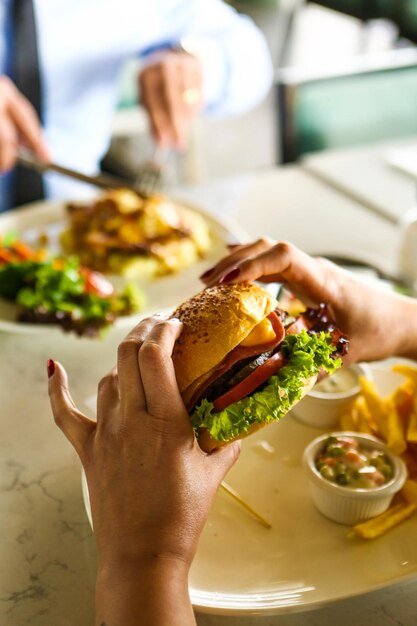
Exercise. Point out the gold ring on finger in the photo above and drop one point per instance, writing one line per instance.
(192, 95)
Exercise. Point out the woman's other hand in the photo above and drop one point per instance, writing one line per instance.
(379, 323)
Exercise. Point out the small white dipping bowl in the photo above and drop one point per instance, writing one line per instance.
(349, 505)
(322, 409)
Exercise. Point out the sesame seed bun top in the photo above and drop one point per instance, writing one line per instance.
(215, 321)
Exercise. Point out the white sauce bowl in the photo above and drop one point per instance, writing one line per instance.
(322, 409)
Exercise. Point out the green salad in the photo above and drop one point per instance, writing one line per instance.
(60, 291)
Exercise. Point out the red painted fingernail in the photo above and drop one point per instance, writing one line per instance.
(207, 273)
(232, 246)
(230, 276)
(51, 368)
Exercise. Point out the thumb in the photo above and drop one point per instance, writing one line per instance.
(42, 150)
(74, 424)
(223, 459)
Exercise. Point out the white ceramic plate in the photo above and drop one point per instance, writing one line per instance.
(304, 561)
(161, 294)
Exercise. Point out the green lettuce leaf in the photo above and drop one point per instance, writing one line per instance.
(305, 355)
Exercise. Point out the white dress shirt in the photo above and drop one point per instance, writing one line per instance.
(84, 43)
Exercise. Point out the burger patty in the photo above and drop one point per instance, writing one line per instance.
(234, 376)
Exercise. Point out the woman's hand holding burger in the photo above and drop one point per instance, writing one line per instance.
(379, 323)
(150, 485)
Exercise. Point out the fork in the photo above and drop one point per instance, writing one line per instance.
(149, 175)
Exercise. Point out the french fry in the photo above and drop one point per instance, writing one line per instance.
(408, 371)
(409, 491)
(379, 525)
(393, 419)
(412, 426)
(410, 459)
(375, 404)
(403, 400)
(365, 423)
(347, 421)
(394, 429)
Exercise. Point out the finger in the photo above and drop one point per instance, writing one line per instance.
(234, 259)
(306, 277)
(41, 151)
(108, 400)
(8, 144)
(163, 398)
(233, 248)
(132, 396)
(27, 123)
(74, 424)
(154, 102)
(192, 80)
(178, 114)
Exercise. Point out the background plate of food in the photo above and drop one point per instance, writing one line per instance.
(151, 251)
(304, 560)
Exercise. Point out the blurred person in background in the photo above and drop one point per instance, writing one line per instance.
(151, 486)
(59, 67)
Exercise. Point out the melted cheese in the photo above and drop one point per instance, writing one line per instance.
(262, 333)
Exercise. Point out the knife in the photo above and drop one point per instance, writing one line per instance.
(104, 181)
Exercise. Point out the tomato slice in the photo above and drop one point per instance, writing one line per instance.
(23, 251)
(251, 382)
(5, 256)
(237, 354)
(97, 284)
(297, 326)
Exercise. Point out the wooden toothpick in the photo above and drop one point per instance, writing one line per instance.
(234, 494)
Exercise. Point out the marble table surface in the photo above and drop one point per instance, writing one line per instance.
(47, 553)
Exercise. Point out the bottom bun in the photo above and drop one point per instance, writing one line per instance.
(208, 444)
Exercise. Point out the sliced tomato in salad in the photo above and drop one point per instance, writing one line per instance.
(5, 256)
(251, 382)
(23, 251)
(18, 252)
(97, 284)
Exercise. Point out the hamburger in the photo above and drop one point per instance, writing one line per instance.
(242, 362)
